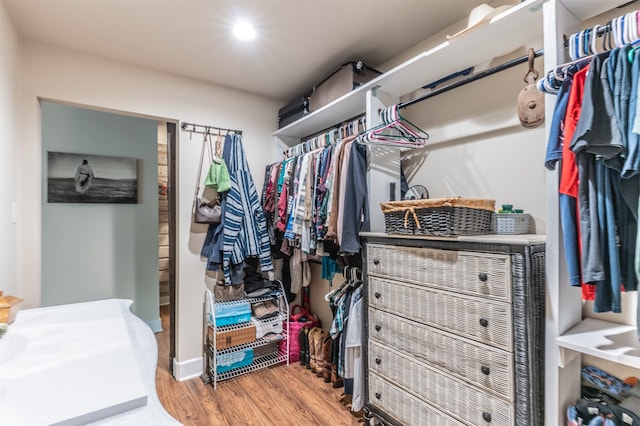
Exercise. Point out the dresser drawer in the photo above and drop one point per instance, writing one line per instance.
(457, 398)
(483, 320)
(404, 407)
(482, 365)
(479, 274)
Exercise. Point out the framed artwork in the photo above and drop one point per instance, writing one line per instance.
(89, 178)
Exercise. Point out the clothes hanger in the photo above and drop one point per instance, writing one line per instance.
(327, 297)
(394, 130)
(594, 39)
(631, 33)
(217, 156)
(356, 280)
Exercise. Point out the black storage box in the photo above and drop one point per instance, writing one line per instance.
(343, 80)
(293, 111)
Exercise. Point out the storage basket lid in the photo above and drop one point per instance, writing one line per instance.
(232, 309)
(473, 203)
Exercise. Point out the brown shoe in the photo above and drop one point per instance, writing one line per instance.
(325, 370)
(320, 355)
(336, 381)
(312, 348)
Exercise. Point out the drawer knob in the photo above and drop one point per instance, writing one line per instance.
(486, 416)
(378, 327)
(377, 295)
(482, 276)
(376, 261)
(484, 322)
(378, 395)
(378, 361)
(485, 370)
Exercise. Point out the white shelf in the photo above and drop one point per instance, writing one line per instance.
(505, 33)
(585, 9)
(603, 339)
(211, 352)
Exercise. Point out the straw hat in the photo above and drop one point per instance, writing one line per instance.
(478, 16)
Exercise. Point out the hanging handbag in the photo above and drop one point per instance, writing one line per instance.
(205, 211)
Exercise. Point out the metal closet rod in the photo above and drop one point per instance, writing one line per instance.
(474, 77)
(204, 129)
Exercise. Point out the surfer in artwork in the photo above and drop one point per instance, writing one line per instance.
(83, 177)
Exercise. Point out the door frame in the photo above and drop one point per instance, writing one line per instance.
(172, 137)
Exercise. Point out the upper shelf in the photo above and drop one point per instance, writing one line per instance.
(505, 33)
(585, 9)
(603, 339)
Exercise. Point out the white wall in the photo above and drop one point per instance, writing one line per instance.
(9, 78)
(61, 74)
(478, 149)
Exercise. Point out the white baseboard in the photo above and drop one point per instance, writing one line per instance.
(155, 325)
(186, 370)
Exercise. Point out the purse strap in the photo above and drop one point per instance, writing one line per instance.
(205, 140)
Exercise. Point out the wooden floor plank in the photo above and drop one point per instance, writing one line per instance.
(278, 395)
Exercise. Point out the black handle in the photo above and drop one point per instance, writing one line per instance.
(485, 370)
(378, 395)
(378, 327)
(484, 322)
(377, 295)
(482, 276)
(376, 261)
(378, 361)
(486, 416)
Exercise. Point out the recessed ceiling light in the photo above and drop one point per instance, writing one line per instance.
(244, 31)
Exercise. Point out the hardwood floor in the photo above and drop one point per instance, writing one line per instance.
(279, 395)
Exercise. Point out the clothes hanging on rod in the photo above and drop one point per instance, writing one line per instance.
(346, 332)
(315, 202)
(206, 129)
(595, 138)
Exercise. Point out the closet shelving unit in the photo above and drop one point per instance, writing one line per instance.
(522, 23)
(276, 354)
(569, 336)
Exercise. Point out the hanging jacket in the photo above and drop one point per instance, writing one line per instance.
(244, 232)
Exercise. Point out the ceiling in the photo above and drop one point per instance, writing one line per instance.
(298, 43)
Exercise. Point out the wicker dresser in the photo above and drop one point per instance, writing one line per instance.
(455, 330)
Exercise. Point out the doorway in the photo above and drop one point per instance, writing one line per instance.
(94, 251)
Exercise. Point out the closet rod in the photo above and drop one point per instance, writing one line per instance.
(474, 77)
(205, 130)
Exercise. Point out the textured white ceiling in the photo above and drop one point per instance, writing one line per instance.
(298, 42)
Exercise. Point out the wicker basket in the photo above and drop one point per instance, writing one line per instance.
(8, 308)
(438, 216)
